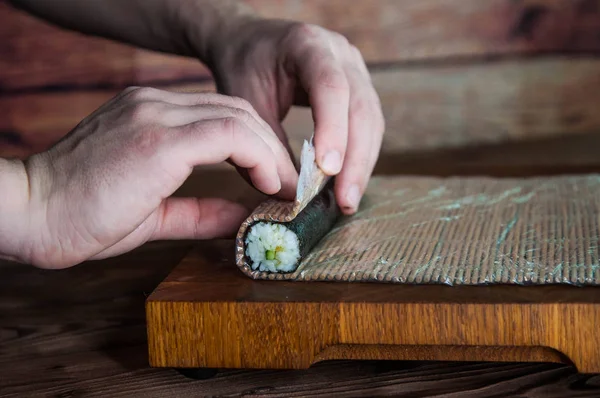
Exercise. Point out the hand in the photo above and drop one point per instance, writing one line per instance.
(273, 64)
(277, 64)
(105, 188)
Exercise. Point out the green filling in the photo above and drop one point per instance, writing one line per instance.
(270, 254)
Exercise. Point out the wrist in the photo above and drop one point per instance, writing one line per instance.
(14, 214)
(210, 27)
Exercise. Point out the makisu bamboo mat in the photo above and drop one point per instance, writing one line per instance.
(465, 231)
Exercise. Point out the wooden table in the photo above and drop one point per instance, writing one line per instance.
(82, 332)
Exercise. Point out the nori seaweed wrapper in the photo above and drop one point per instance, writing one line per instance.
(310, 216)
(316, 220)
(312, 223)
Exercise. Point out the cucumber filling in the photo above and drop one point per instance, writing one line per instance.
(272, 247)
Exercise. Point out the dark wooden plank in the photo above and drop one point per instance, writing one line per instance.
(425, 108)
(413, 31)
(115, 374)
(36, 54)
(33, 122)
(565, 154)
(82, 308)
(455, 105)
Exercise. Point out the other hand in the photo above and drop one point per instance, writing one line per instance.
(276, 64)
(105, 188)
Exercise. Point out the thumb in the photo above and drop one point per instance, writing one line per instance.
(183, 218)
(192, 218)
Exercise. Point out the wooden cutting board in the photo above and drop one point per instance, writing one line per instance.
(207, 314)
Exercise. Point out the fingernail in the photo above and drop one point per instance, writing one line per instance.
(332, 162)
(353, 196)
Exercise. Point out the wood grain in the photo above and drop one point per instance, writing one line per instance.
(34, 122)
(82, 332)
(417, 31)
(35, 54)
(425, 108)
(454, 106)
(121, 372)
(390, 352)
(198, 317)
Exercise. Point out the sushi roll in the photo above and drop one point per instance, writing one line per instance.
(279, 246)
(279, 234)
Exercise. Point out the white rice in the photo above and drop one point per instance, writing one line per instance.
(272, 247)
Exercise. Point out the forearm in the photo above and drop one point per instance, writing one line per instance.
(161, 25)
(14, 192)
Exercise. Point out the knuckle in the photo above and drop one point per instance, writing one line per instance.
(127, 94)
(362, 107)
(230, 126)
(140, 93)
(362, 162)
(369, 108)
(340, 39)
(356, 54)
(365, 108)
(144, 112)
(241, 103)
(303, 30)
(132, 92)
(241, 114)
(148, 142)
(302, 35)
(129, 90)
(334, 79)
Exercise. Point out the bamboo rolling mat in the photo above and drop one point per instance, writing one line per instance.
(462, 231)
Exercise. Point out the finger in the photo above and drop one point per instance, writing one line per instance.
(268, 109)
(182, 218)
(364, 142)
(218, 100)
(358, 61)
(175, 115)
(216, 140)
(289, 180)
(326, 84)
(274, 136)
(187, 108)
(149, 94)
(201, 105)
(191, 218)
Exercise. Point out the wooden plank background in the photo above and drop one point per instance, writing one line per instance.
(450, 73)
